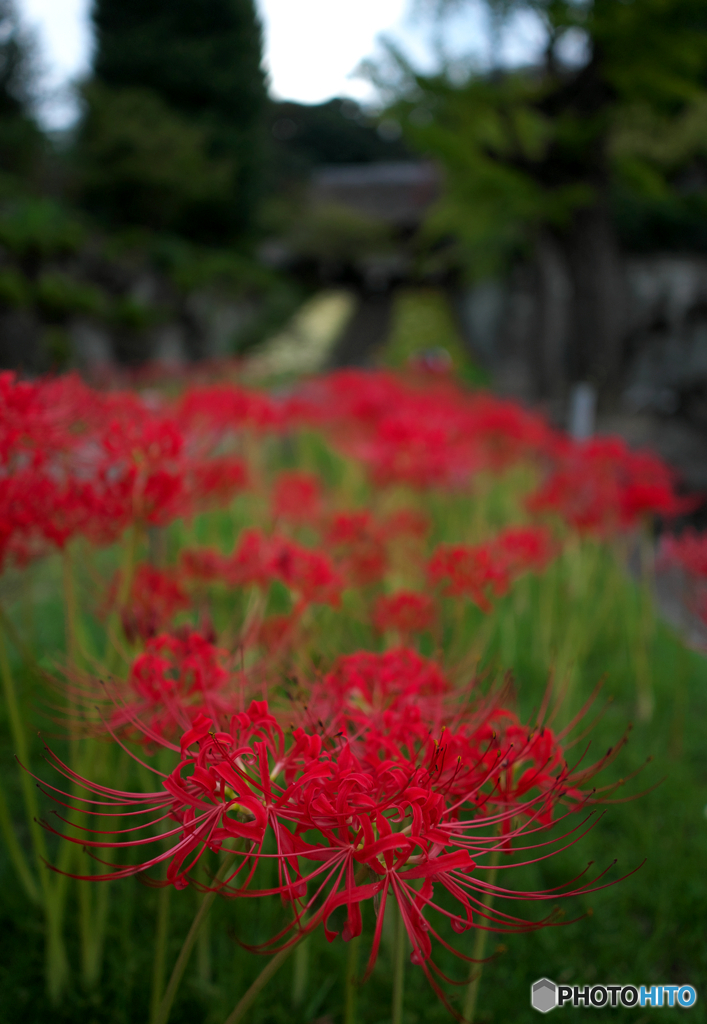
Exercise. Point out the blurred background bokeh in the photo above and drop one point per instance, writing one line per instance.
(524, 180)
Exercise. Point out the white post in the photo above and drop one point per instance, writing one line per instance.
(582, 414)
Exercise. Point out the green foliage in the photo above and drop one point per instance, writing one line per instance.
(423, 325)
(56, 343)
(131, 315)
(530, 148)
(191, 267)
(37, 229)
(203, 61)
(279, 304)
(336, 233)
(488, 135)
(336, 132)
(143, 163)
(20, 139)
(14, 290)
(59, 296)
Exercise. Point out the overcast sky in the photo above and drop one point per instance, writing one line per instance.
(312, 47)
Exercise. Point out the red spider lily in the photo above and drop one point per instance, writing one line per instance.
(406, 522)
(297, 497)
(688, 550)
(486, 570)
(364, 688)
(249, 563)
(407, 612)
(434, 434)
(175, 679)
(155, 598)
(205, 565)
(73, 460)
(224, 408)
(277, 632)
(216, 481)
(358, 547)
(523, 548)
(310, 575)
(602, 486)
(258, 560)
(218, 791)
(471, 571)
(366, 831)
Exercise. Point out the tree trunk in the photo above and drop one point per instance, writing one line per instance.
(599, 300)
(550, 334)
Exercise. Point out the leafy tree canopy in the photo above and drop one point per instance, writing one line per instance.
(526, 147)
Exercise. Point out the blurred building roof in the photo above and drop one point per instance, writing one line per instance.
(396, 192)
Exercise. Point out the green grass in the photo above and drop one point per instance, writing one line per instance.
(423, 323)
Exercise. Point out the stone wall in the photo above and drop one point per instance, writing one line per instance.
(660, 394)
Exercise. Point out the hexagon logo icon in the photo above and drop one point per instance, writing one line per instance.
(543, 995)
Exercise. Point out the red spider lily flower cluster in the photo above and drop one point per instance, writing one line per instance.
(689, 551)
(297, 497)
(602, 486)
(74, 460)
(156, 596)
(482, 571)
(393, 786)
(407, 612)
(176, 679)
(423, 435)
(258, 560)
(358, 545)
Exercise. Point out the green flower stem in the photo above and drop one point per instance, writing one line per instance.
(300, 972)
(472, 992)
(271, 968)
(70, 609)
(22, 750)
(94, 902)
(51, 895)
(159, 962)
(203, 952)
(127, 573)
(351, 986)
(15, 638)
(17, 855)
(56, 961)
(162, 1014)
(399, 957)
(646, 628)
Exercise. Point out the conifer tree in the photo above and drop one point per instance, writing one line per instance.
(19, 135)
(202, 60)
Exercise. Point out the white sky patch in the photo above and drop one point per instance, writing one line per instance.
(313, 46)
(63, 33)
